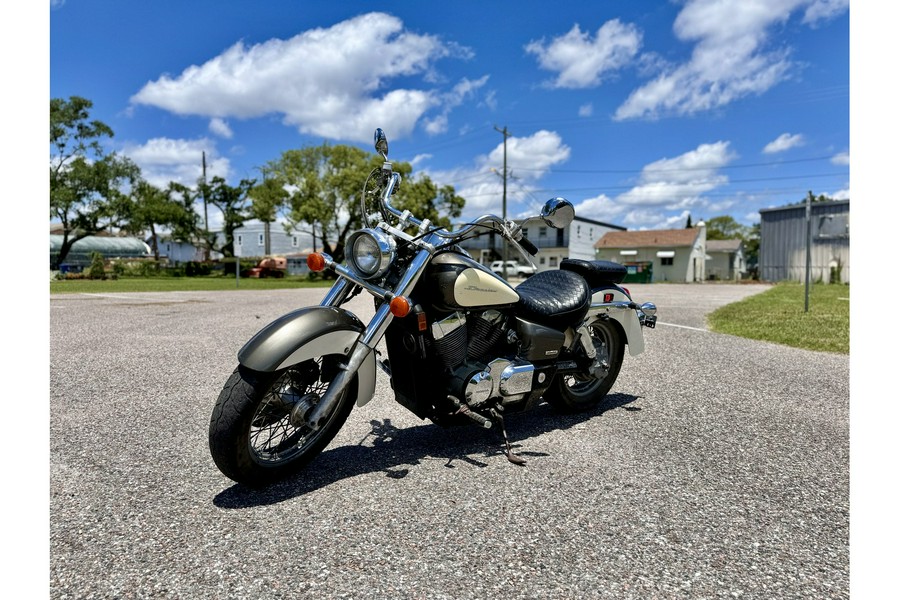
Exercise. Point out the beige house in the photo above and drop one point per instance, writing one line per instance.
(669, 254)
(726, 260)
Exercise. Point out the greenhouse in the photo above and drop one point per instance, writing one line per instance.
(109, 247)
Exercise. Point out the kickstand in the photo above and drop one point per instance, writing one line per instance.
(497, 418)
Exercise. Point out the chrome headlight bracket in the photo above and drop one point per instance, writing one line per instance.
(370, 252)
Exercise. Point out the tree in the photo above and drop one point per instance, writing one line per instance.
(423, 198)
(232, 201)
(326, 184)
(689, 225)
(725, 228)
(266, 200)
(86, 183)
(151, 207)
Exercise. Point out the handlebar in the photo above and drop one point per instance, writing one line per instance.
(529, 247)
(507, 229)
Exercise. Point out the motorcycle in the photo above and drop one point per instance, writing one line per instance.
(462, 344)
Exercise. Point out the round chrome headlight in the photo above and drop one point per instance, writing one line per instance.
(370, 252)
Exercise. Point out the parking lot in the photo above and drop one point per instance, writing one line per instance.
(717, 468)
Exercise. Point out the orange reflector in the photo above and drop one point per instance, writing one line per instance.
(400, 306)
(315, 262)
(423, 321)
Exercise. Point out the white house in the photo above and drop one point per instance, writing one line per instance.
(657, 254)
(575, 241)
(726, 259)
(250, 240)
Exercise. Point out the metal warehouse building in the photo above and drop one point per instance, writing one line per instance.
(782, 242)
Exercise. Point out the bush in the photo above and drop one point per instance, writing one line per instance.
(197, 269)
(96, 270)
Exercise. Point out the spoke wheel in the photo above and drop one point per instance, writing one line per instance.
(257, 431)
(582, 391)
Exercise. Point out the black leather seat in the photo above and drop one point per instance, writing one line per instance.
(556, 299)
(595, 272)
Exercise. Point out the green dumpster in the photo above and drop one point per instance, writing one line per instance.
(639, 272)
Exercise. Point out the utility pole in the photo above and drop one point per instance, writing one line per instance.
(809, 199)
(505, 133)
(205, 212)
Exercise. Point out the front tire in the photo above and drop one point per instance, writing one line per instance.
(252, 437)
(577, 393)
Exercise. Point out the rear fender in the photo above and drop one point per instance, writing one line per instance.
(627, 318)
(309, 333)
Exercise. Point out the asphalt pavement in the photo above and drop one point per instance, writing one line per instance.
(717, 468)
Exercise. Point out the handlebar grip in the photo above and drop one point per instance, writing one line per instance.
(529, 247)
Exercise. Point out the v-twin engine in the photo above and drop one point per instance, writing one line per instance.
(479, 351)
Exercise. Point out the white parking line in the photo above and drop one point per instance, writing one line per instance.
(681, 326)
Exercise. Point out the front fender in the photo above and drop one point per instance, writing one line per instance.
(309, 333)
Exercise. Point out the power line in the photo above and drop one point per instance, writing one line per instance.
(678, 170)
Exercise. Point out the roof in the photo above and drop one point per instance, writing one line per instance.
(802, 205)
(109, 247)
(649, 238)
(723, 245)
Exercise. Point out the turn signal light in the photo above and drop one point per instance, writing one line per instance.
(400, 306)
(315, 262)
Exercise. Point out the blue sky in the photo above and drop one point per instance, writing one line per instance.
(640, 113)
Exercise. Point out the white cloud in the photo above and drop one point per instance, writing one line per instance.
(821, 10)
(840, 194)
(842, 159)
(163, 160)
(528, 159)
(665, 185)
(783, 142)
(581, 61)
(586, 110)
(731, 57)
(220, 128)
(327, 82)
(460, 92)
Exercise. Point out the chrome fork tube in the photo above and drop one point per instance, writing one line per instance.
(337, 293)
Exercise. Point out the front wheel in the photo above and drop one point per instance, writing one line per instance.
(255, 434)
(580, 392)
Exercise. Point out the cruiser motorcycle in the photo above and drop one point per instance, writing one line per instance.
(461, 345)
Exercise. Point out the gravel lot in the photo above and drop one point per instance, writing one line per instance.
(717, 468)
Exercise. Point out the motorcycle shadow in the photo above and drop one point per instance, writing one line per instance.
(393, 451)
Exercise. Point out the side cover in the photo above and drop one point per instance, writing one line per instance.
(309, 333)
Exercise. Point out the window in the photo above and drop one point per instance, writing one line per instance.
(666, 257)
(295, 241)
(543, 261)
(834, 227)
(553, 261)
(542, 232)
(240, 240)
(262, 240)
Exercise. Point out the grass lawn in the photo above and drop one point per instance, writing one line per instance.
(178, 284)
(777, 315)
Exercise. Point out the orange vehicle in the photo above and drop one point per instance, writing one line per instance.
(274, 266)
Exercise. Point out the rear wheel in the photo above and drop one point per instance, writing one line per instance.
(579, 392)
(253, 437)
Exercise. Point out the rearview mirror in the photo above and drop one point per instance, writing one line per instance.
(558, 213)
(381, 145)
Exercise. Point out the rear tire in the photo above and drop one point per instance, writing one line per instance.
(251, 436)
(577, 393)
